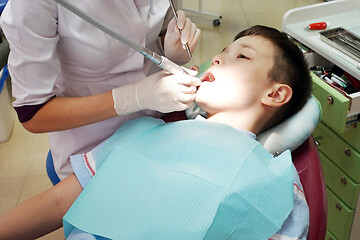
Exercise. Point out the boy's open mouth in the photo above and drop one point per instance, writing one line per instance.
(207, 77)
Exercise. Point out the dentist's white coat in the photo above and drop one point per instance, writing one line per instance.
(54, 52)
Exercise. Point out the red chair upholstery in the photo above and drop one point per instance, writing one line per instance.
(174, 116)
(307, 163)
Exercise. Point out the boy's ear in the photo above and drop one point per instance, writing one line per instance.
(279, 95)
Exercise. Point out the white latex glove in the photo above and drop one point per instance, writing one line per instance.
(174, 42)
(161, 91)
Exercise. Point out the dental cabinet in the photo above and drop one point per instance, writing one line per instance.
(338, 133)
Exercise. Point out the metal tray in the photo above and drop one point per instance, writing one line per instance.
(343, 40)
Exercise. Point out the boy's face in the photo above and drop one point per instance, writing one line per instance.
(238, 76)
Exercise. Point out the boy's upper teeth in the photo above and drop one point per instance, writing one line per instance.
(209, 77)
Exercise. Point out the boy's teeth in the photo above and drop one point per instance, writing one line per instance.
(209, 77)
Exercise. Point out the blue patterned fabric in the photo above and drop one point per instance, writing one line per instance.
(184, 180)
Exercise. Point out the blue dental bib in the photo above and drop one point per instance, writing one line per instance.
(184, 180)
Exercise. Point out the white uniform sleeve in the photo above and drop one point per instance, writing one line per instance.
(31, 30)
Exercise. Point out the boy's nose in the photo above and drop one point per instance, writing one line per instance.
(217, 60)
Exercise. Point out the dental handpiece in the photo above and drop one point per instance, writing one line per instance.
(163, 62)
(160, 61)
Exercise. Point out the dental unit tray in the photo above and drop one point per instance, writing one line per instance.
(343, 40)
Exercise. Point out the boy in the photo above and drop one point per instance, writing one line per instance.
(254, 84)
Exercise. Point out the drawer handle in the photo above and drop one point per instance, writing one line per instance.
(316, 140)
(338, 206)
(343, 180)
(347, 152)
(330, 99)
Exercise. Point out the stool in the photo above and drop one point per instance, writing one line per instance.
(50, 169)
(2, 5)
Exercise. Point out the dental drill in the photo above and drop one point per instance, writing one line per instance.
(160, 61)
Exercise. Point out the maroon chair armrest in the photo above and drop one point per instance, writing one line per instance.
(174, 116)
(307, 162)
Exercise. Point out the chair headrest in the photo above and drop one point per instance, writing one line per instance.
(294, 131)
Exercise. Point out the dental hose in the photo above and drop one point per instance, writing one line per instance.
(160, 61)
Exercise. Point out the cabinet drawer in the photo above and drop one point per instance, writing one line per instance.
(329, 236)
(334, 105)
(340, 217)
(339, 182)
(339, 151)
(352, 136)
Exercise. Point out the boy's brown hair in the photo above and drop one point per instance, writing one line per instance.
(290, 67)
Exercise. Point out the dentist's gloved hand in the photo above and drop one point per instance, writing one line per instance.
(161, 91)
(174, 42)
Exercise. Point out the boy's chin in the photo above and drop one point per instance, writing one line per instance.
(198, 102)
(202, 104)
(202, 98)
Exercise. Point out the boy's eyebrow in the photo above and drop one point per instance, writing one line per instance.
(243, 45)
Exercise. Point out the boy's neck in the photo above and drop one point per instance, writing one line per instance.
(246, 132)
(248, 122)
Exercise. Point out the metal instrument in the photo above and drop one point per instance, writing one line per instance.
(176, 19)
(343, 40)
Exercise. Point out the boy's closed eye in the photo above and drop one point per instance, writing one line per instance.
(242, 56)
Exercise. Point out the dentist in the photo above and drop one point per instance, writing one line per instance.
(78, 84)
